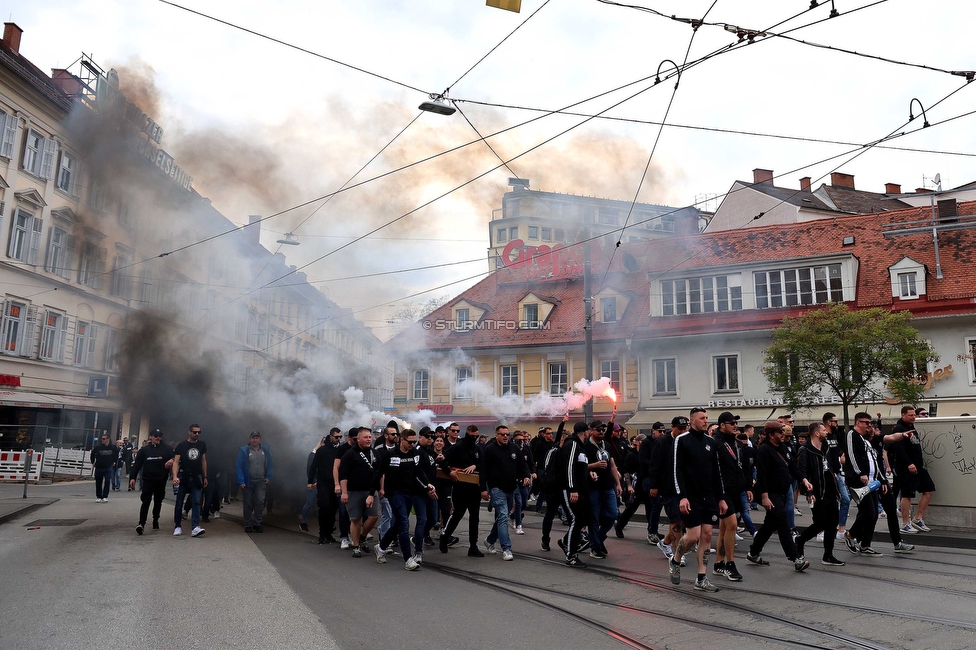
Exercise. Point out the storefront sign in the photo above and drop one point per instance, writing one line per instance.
(9, 380)
(547, 262)
(767, 401)
(925, 381)
(438, 409)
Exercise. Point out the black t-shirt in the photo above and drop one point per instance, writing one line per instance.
(191, 456)
(356, 468)
(604, 478)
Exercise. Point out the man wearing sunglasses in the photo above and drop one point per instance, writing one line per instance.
(861, 466)
(504, 469)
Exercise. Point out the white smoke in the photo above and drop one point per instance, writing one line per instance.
(511, 407)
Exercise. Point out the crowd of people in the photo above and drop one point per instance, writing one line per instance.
(594, 478)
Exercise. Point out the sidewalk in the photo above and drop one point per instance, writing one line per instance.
(84, 578)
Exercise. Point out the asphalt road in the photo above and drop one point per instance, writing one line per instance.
(98, 583)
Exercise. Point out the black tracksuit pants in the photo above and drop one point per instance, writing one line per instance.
(153, 489)
(579, 516)
(328, 503)
(825, 520)
(466, 498)
(867, 519)
(553, 501)
(775, 521)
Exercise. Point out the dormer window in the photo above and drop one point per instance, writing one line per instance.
(462, 320)
(608, 308)
(530, 314)
(907, 279)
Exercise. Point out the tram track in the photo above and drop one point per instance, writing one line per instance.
(514, 586)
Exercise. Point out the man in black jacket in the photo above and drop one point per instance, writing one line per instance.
(911, 477)
(154, 460)
(660, 481)
(322, 479)
(861, 466)
(697, 486)
(574, 481)
(813, 466)
(636, 464)
(775, 472)
(733, 483)
(104, 455)
(549, 482)
(503, 470)
(463, 458)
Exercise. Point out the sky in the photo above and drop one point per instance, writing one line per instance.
(263, 127)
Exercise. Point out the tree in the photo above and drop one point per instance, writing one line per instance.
(855, 355)
(409, 314)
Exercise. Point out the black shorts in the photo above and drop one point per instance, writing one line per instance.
(732, 504)
(670, 504)
(703, 511)
(911, 484)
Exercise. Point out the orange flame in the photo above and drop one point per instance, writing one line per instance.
(611, 393)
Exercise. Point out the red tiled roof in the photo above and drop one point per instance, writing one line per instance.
(954, 293)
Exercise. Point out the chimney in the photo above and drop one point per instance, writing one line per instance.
(922, 190)
(892, 188)
(947, 210)
(253, 229)
(11, 36)
(838, 179)
(762, 176)
(805, 184)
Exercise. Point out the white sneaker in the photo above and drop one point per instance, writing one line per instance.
(519, 531)
(507, 556)
(196, 532)
(380, 554)
(345, 543)
(419, 557)
(216, 515)
(820, 537)
(412, 564)
(490, 548)
(797, 513)
(738, 537)
(840, 534)
(177, 531)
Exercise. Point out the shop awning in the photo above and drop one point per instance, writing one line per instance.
(25, 399)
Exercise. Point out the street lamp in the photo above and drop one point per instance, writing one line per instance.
(438, 104)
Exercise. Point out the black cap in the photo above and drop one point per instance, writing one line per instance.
(727, 417)
(156, 433)
(680, 421)
(658, 426)
(598, 425)
(392, 423)
(580, 427)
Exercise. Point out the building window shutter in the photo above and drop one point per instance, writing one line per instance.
(30, 326)
(9, 124)
(62, 339)
(99, 279)
(35, 240)
(92, 340)
(69, 247)
(47, 159)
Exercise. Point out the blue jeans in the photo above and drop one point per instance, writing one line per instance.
(386, 516)
(194, 493)
(310, 496)
(117, 478)
(402, 503)
(603, 514)
(521, 500)
(103, 480)
(746, 516)
(501, 501)
(790, 507)
(845, 502)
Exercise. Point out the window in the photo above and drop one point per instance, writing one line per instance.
(610, 217)
(86, 335)
(803, 286)
(149, 290)
(531, 315)
(91, 267)
(8, 133)
(59, 253)
(726, 373)
(17, 328)
(533, 232)
(547, 234)
(111, 349)
(611, 368)
(558, 378)
(501, 236)
(464, 386)
(510, 383)
(608, 306)
(971, 359)
(513, 233)
(123, 213)
(701, 295)
(25, 237)
(560, 234)
(54, 333)
(665, 377)
(667, 223)
(39, 154)
(421, 384)
(462, 320)
(68, 174)
(120, 279)
(787, 371)
(96, 197)
(906, 286)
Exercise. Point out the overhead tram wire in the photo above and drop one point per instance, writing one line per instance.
(293, 46)
(657, 139)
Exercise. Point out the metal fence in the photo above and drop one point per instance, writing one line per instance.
(61, 451)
